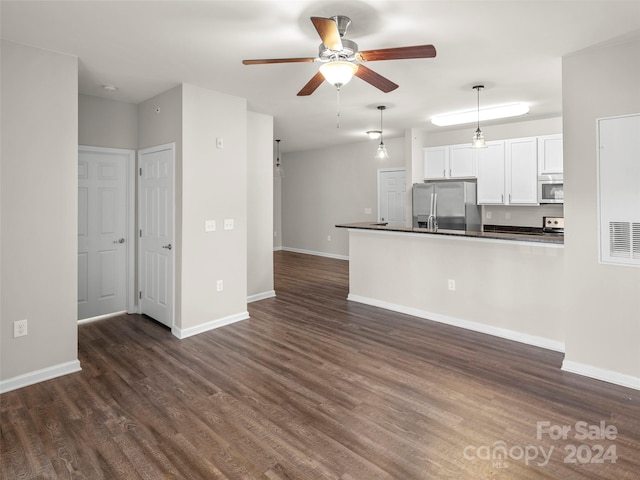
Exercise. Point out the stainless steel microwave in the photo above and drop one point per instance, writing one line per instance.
(551, 188)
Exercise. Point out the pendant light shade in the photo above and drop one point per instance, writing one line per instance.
(478, 137)
(338, 72)
(381, 153)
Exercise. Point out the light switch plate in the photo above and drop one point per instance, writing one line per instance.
(219, 143)
(368, 211)
(210, 226)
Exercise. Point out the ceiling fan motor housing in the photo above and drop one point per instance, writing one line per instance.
(348, 52)
(342, 22)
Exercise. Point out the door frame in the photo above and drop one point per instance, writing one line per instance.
(167, 146)
(130, 189)
(383, 170)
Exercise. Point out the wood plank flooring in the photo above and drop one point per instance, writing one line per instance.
(314, 387)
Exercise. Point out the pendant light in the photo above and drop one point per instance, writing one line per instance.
(478, 137)
(381, 154)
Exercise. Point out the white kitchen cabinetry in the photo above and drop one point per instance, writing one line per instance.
(507, 172)
(491, 170)
(451, 161)
(550, 154)
(521, 161)
(436, 162)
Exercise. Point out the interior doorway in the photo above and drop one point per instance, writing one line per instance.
(106, 226)
(392, 194)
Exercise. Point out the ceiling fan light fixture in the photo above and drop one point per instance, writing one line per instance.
(338, 72)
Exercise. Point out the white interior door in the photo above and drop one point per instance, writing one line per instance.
(104, 230)
(392, 194)
(156, 230)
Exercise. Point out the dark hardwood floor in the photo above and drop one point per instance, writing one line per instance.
(315, 387)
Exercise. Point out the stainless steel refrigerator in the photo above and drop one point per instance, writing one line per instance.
(446, 205)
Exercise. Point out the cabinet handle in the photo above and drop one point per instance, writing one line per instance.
(509, 198)
(502, 198)
(444, 172)
(449, 172)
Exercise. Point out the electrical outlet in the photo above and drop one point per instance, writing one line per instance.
(507, 216)
(209, 225)
(19, 328)
(368, 211)
(452, 284)
(228, 223)
(328, 238)
(488, 215)
(219, 285)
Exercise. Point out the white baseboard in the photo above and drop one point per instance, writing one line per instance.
(101, 317)
(38, 376)
(466, 324)
(261, 296)
(278, 248)
(601, 374)
(318, 254)
(205, 327)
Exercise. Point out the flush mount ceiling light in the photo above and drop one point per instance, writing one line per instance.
(478, 138)
(110, 88)
(381, 153)
(374, 134)
(487, 113)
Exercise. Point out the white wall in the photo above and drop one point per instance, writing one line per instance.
(506, 288)
(260, 209)
(214, 187)
(39, 101)
(325, 187)
(603, 313)
(107, 123)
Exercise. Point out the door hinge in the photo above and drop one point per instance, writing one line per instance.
(140, 170)
(140, 295)
(140, 233)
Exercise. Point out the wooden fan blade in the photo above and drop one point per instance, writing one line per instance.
(278, 60)
(312, 85)
(375, 79)
(328, 31)
(399, 53)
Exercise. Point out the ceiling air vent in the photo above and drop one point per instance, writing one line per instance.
(620, 239)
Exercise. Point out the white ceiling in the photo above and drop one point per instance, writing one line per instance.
(146, 47)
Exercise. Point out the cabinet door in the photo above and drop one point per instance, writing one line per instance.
(522, 171)
(462, 161)
(491, 174)
(436, 161)
(550, 154)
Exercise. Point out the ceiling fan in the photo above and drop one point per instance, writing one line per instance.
(341, 59)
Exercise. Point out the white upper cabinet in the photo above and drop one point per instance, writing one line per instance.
(521, 159)
(491, 174)
(462, 161)
(550, 154)
(436, 162)
(450, 161)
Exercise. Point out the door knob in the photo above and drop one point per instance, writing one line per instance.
(168, 247)
(120, 240)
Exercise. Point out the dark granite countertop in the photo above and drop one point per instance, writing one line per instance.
(494, 235)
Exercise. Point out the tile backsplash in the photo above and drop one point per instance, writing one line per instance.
(521, 216)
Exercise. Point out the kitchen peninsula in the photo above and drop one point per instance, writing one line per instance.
(504, 284)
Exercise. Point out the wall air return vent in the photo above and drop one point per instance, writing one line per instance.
(618, 189)
(620, 239)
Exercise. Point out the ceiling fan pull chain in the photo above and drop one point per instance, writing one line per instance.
(338, 108)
